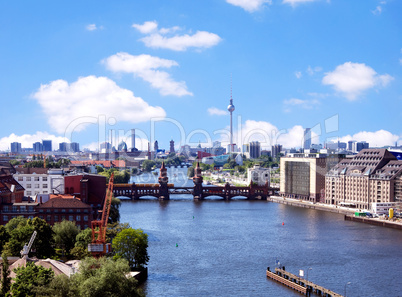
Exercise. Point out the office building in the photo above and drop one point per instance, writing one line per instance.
(275, 151)
(255, 150)
(47, 145)
(171, 150)
(307, 138)
(303, 175)
(371, 176)
(37, 147)
(16, 147)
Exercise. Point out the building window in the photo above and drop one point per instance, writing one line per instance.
(5, 208)
(85, 218)
(29, 193)
(63, 218)
(44, 178)
(45, 192)
(15, 209)
(78, 218)
(28, 186)
(44, 186)
(71, 218)
(36, 178)
(41, 217)
(48, 218)
(63, 210)
(40, 210)
(30, 208)
(70, 210)
(23, 208)
(20, 178)
(37, 186)
(5, 218)
(28, 178)
(56, 218)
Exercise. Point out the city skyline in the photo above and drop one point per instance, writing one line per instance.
(333, 65)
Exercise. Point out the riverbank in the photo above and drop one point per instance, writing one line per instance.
(348, 212)
(306, 204)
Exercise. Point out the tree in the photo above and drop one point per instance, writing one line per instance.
(114, 215)
(20, 234)
(113, 229)
(134, 170)
(99, 169)
(44, 242)
(131, 244)
(4, 237)
(80, 250)
(147, 165)
(104, 277)
(28, 279)
(190, 171)
(65, 234)
(5, 275)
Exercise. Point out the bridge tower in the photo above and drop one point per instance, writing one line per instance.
(163, 183)
(197, 179)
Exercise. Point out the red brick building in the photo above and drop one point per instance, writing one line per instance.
(65, 207)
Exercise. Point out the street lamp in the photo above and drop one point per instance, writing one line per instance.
(348, 283)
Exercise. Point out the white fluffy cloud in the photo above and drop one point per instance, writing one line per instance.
(147, 27)
(73, 104)
(351, 79)
(216, 111)
(158, 38)
(91, 27)
(268, 135)
(378, 138)
(27, 140)
(295, 2)
(295, 102)
(249, 5)
(147, 68)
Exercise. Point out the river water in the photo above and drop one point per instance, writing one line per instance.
(219, 248)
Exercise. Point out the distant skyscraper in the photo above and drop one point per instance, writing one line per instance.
(47, 145)
(275, 151)
(255, 149)
(171, 146)
(231, 109)
(63, 146)
(307, 139)
(75, 147)
(156, 146)
(16, 147)
(37, 147)
(361, 145)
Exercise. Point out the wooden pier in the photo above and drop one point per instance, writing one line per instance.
(299, 284)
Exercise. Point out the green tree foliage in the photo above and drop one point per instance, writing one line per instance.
(20, 234)
(120, 177)
(147, 165)
(132, 244)
(80, 250)
(99, 169)
(134, 170)
(65, 234)
(5, 276)
(4, 237)
(15, 162)
(104, 277)
(60, 286)
(20, 230)
(28, 279)
(114, 215)
(44, 243)
(114, 228)
(190, 171)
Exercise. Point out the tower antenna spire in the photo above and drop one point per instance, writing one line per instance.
(231, 108)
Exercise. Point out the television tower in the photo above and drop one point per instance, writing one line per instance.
(231, 108)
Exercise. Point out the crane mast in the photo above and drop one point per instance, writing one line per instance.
(99, 247)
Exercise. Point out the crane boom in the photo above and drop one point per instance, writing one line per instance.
(27, 248)
(98, 247)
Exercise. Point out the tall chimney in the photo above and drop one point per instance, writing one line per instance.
(132, 140)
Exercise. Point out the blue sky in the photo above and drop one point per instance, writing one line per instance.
(85, 70)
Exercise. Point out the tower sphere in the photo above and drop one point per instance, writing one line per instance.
(231, 108)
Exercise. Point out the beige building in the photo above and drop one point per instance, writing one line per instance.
(303, 175)
(372, 176)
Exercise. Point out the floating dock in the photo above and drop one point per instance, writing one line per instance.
(299, 284)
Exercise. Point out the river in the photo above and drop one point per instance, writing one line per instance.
(219, 248)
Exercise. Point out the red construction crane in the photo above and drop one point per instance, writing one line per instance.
(99, 247)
